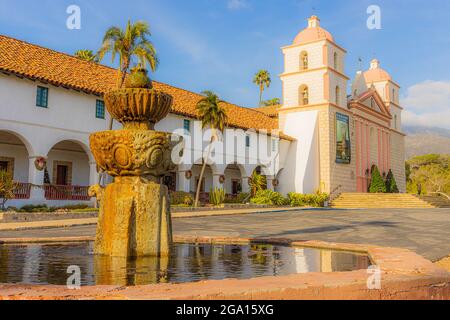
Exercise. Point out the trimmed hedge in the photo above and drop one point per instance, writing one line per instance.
(377, 185)
(391, 184)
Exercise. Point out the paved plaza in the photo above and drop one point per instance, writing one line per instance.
(425, 231)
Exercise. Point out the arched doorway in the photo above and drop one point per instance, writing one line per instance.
(233, 179)
(14, 159)
(67, 175)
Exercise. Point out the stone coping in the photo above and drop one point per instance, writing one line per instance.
(404, 275)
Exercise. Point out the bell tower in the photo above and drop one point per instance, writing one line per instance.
(313, 69)
(314, 91)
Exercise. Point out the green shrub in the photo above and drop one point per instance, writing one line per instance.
(377, 185)
(87, 210)
(45, 208)
(7, 187)
(181, 198)
(308, 200)
(217, 196)
(243, 196)
(391, 184)
(269, 197)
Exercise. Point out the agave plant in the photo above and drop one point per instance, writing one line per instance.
(217, 196)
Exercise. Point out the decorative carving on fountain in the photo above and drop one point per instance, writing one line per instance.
(133, 152)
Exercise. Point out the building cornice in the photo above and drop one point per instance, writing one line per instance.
(312, 42)
(325, 68)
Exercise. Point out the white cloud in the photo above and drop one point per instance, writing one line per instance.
(427, 104)
(237, 4)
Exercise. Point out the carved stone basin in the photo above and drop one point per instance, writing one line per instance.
(133, 152)
(138, 108)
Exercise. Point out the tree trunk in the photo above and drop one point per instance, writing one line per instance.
(197, 195)
(261, 89)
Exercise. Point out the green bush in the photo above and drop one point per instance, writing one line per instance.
(45, 208)
(308, 200)
(181, 198)
(217, 196)
(377, 185)
(243, 196)
(391, 184)
(269, 197)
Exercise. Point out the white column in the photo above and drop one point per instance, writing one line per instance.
(245, 185)
(270, 183)
(93, 174)
(183, 184)
(216, 181)
(36, 178)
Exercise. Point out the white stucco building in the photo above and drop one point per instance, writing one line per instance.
(51, 102)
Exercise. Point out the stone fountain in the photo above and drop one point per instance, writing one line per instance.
(134, 217)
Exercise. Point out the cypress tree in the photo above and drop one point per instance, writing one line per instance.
(391, 184)
(377, 185)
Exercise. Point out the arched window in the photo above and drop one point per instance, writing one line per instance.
(303, 95)
(304, 63)
(393, 95)
(337, 95)
(395, 122)
(335, 61)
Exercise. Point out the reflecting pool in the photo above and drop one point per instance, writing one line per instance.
(48, 264)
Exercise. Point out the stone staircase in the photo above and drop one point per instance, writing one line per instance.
(379, 200)
(436, 200)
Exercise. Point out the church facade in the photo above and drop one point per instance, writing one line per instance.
(321, 138)
(339, 137)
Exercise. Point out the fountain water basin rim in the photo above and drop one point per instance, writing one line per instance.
(405, 275)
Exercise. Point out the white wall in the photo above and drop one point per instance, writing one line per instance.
(70, 116)
(20, 155)
(301, 173)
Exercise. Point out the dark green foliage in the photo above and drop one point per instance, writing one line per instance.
(391, 184)
(377, 185)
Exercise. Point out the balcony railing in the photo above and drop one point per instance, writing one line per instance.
(22, 191)
(76, 193)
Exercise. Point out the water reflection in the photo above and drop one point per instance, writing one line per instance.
(47, 264)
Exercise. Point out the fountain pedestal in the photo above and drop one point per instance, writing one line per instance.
(134, 217)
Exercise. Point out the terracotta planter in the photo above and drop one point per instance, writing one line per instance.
(138, 108)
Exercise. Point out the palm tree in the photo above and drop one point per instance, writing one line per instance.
(214, 116)
(86, 55)
(129, 43)
(257, 183)
(262, 80)
(271, 102)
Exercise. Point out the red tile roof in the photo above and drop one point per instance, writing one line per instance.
(270, 111)
(38, 63)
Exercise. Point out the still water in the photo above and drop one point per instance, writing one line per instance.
(48, 264)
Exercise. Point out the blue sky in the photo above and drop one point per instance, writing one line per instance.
(219, 44)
